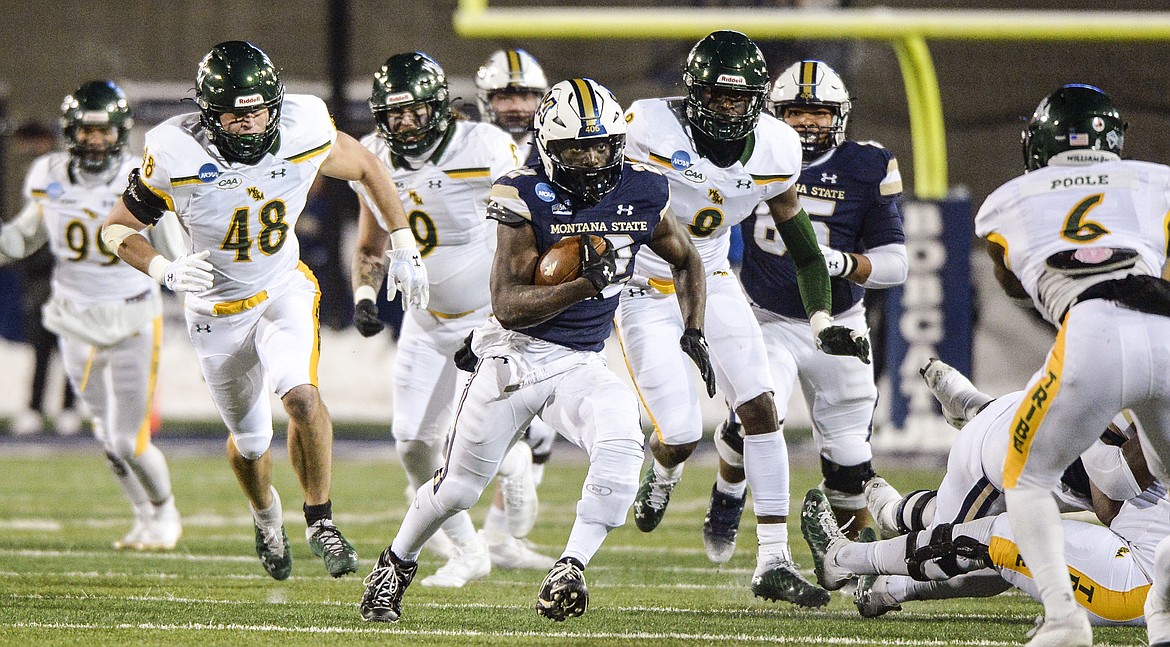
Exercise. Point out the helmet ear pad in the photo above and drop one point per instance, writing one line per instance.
(237, 77)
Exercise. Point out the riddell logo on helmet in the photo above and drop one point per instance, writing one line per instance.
(732, 79)
(400, 97)
(249, 101)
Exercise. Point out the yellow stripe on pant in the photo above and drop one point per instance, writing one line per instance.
(315, 358)
(143, 441)
(1032, 410)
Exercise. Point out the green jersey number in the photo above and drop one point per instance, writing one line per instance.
(425, 232)
(77, 240)
(271, 237)
(1078, 229)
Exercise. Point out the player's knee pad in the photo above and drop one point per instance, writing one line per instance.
(457, 491)
(611, 483)
(847, 479)
(117, 465)
(915, 511)
(120, 446)
(252, 445)
(729, 443)
(419, 458)
(942, 555)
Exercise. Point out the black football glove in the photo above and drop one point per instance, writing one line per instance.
(598, 268)
(841, 340)
(365, 318)
(695, 347)
(465, 358)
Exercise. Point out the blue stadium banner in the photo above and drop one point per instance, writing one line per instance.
(931, 315)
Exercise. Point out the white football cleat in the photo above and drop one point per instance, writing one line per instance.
(882, 500)
(959, 398)
(1069, 631)
(133, 539)
(508, 552)
(440, 545)
(163, 530)
(467, 563)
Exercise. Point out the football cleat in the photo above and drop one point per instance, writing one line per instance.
(467, 563)
(385, 586)
(959, 398)
(563, 593)
(651, 501)
(721, 525)
(163, 530)
(779, 580)
(273, 549)
(825, 539)
(133, 539)
(871, 597)
(327, 542)
(882, 500)
(1069, 631)
(505, 551)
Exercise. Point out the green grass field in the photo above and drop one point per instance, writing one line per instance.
(62, 583)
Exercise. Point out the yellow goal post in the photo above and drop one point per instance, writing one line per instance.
(907, 30)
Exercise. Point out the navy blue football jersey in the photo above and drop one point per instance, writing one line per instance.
(626, 217)
(850, 195)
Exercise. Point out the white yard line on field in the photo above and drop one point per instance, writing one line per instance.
(370, 630)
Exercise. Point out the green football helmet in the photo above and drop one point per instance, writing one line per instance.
(236, 77)
(101, 104)
(725, 68)
(411, 84)
(1076, 123)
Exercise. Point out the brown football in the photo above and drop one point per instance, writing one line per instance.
(562, 262)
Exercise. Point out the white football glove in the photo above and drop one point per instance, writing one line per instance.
(407, 273)
(188, 273)
(839, 264)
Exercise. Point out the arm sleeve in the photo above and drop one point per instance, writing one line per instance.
(811, 276)
(167, 236)
(889, 267)
(142, 201)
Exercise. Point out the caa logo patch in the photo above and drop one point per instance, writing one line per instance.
(694, 176)
(680, 160)
(55, 190)
(229, 183)
(545, 192)
(208, 173)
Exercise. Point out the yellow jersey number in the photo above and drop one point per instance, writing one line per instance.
(271, 237)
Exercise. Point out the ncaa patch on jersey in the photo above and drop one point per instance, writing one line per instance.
(55, 190)
(545, 192)
(208, 173)
(680, 160)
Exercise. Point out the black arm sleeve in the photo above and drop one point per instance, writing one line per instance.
(146, 206)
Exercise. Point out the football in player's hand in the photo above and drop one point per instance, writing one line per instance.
(562, 262)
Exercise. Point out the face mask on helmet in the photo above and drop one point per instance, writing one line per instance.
(96, 120)
(812, 98)
(411, 103)
(727, 82)
(237, 78)
(581, 137)
(509, 86)
(1075, 125)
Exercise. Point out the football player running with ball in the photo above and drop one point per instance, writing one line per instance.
(541, 352)
(722, 158)
(107, 315)
(849, 190)
(1083, 235)
(238, 173)
(444, 169)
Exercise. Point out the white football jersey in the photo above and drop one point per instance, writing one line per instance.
(706, 199)
(73, 208)
(1116, 204)
(446, 205)
(243, 213)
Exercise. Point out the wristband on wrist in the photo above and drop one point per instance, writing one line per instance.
(364, 293)
(157, 269)
(402, 239)
(819, 320)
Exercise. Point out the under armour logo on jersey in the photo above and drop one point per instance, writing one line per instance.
(254, 193)
(415, 198)
(636, 292)
(830, 179)
(716, 197)
(434, 184)
(278, 172)
(625, 209)
(202, 328)
(743, 184)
